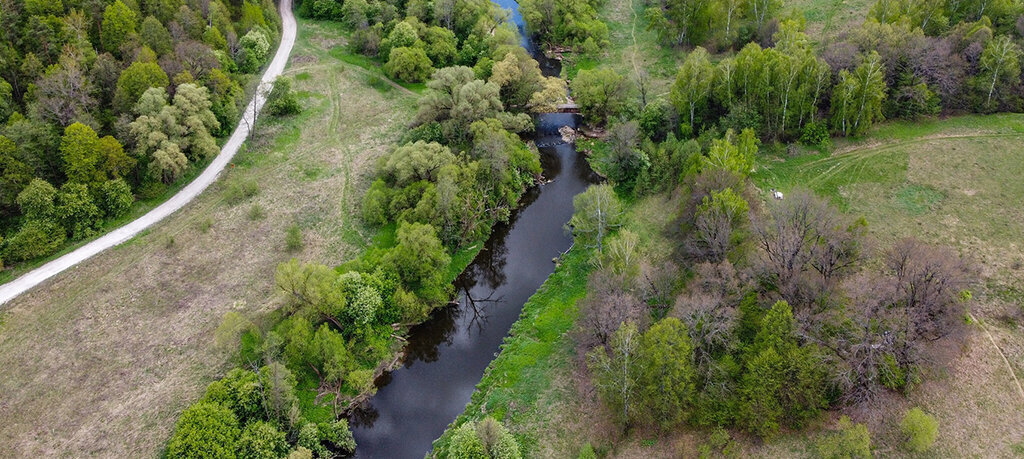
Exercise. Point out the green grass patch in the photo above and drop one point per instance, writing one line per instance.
(525, 368)
(917, 199)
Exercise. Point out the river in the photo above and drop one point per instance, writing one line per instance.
(447, 355)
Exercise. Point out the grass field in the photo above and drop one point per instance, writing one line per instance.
(829, 18)
(101, 360)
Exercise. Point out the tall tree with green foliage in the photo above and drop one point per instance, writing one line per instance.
(600, 93)
(692, 88)
(857, 98)
(783, 381)
(205, 430)
(596, 212)
(999, 69)
(667, 375)
(82, 157)
(118, 25)
(616, 372)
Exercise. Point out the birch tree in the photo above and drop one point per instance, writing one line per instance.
(597, 211)
(692, 88)
(1000, 67)
(616, 371)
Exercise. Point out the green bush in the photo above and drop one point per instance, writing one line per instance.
(293, 238)
(919, 429)
(281, 101)
(256, 212)
(115, 198)
(587, 452)
(35, 238)
(849, 441)
(205, 430)
(240, 189)
(261, 440)
(816, 135)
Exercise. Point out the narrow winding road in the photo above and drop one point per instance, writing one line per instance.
(37, 276)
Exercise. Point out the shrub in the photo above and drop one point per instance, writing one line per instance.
(816, 135)
(241, 189)
(920, 430)
(281, 101)
(587, 452)
(256, 212)
(293, 238)
(115, 198)
(205, 430)
(849, 441)
(36, 238)
(261, 440)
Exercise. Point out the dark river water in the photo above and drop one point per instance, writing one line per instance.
(446, 355)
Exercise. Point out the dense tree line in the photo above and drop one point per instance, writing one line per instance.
(460, 169)
(412, 39)
(909, 59)
(571, 23)
(102, 101)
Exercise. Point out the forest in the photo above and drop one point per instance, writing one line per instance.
(105, 103)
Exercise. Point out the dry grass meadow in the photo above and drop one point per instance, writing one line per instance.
(100, 360)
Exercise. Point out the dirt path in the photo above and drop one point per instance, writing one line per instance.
(991, 339)
(39, 275)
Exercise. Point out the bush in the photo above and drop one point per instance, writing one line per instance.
(281, 101)
(241, 189)
(256, 212)
(408, 64)
(36, 238)
(293, 238)
(587, 452)
(850, 441)
(920, 430)
(261, 440)
(205, 430)
(816, 135)
(115, 198)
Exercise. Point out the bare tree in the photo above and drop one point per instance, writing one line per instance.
(806, 247)
(606, 307)
(928, 281)
(65, 95)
